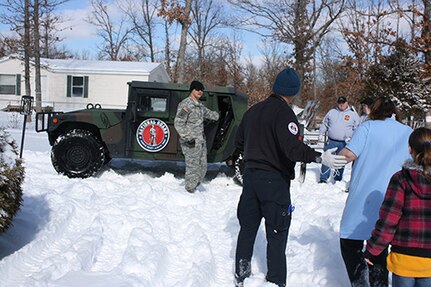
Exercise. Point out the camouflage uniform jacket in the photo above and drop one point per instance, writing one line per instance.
(189, 120)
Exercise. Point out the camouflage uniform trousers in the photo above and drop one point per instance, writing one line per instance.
(196, 164)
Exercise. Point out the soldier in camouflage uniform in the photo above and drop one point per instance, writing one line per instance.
(189, 123)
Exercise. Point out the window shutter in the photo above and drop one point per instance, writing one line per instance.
(18, 85)
(86, 87)
(69, 87)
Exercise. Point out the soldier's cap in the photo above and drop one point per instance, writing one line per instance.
(196, 85)
(367, 101)
(287, 83)
(341, 100)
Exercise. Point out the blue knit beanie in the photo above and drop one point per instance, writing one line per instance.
(287, 83)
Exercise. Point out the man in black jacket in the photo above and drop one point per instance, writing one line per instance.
(268, 136)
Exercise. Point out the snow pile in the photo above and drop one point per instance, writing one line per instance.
(135, 225)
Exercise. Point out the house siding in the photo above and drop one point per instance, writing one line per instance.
(110, 90)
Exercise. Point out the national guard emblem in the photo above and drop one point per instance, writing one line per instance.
(153, 135)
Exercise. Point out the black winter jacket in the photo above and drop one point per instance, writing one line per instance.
(268, 136)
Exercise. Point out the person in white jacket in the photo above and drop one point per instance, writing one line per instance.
(365, 108)
(338, 125)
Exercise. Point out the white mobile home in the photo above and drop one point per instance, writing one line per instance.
(75, 83)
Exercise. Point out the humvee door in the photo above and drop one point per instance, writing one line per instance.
(152, 131)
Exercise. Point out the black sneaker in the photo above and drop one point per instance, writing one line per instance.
(322, 181)
(244, 272)
(239, 282)
(279, 285)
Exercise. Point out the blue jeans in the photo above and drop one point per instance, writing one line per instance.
(400, 281)
(325, 172)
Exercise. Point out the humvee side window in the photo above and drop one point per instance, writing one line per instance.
(158, 104)
(152, 104)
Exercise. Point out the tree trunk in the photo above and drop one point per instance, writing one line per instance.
(38, 88)
(185, 23)
(426, 32)
(167, 50)
(27, 47)
(300, 44)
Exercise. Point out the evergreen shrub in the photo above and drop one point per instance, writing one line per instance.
(11, 179)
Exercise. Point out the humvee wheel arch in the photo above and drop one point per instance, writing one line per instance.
(78, 153)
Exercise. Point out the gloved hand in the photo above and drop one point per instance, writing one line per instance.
(321, 138)
(334, 161)
(190, 143)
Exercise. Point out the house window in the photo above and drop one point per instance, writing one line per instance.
(77, 86)
(10, 84)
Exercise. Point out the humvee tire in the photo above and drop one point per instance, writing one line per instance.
(78, 153)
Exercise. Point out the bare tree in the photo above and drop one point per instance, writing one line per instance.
(142, 15)
(207, 17)
(17, 16)
(302, 24)
(24, 19)
(168, 53)
(49, 26)
(114, 35)
(8, 45)
(173, 10)
(185, 23)
(367, 31)
(254, 83)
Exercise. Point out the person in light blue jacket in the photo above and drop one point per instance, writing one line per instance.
(339, 125)
(379, 147)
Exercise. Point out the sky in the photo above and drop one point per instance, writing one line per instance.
(80, 37)
(135, 225)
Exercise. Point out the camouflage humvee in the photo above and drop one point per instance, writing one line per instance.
(83, 141)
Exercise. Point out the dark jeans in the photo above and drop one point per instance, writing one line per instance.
(360, 273)
(266, 195)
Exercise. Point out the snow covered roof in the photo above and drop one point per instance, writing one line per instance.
(105, 67)
(93, 66)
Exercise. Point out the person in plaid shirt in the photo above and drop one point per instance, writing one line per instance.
(405, 218)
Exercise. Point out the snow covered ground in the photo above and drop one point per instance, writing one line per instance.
(135, 225)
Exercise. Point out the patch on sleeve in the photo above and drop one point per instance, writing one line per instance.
(293, 128)
(183, 113)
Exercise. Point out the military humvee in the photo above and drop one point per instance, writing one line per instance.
(84, 140)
